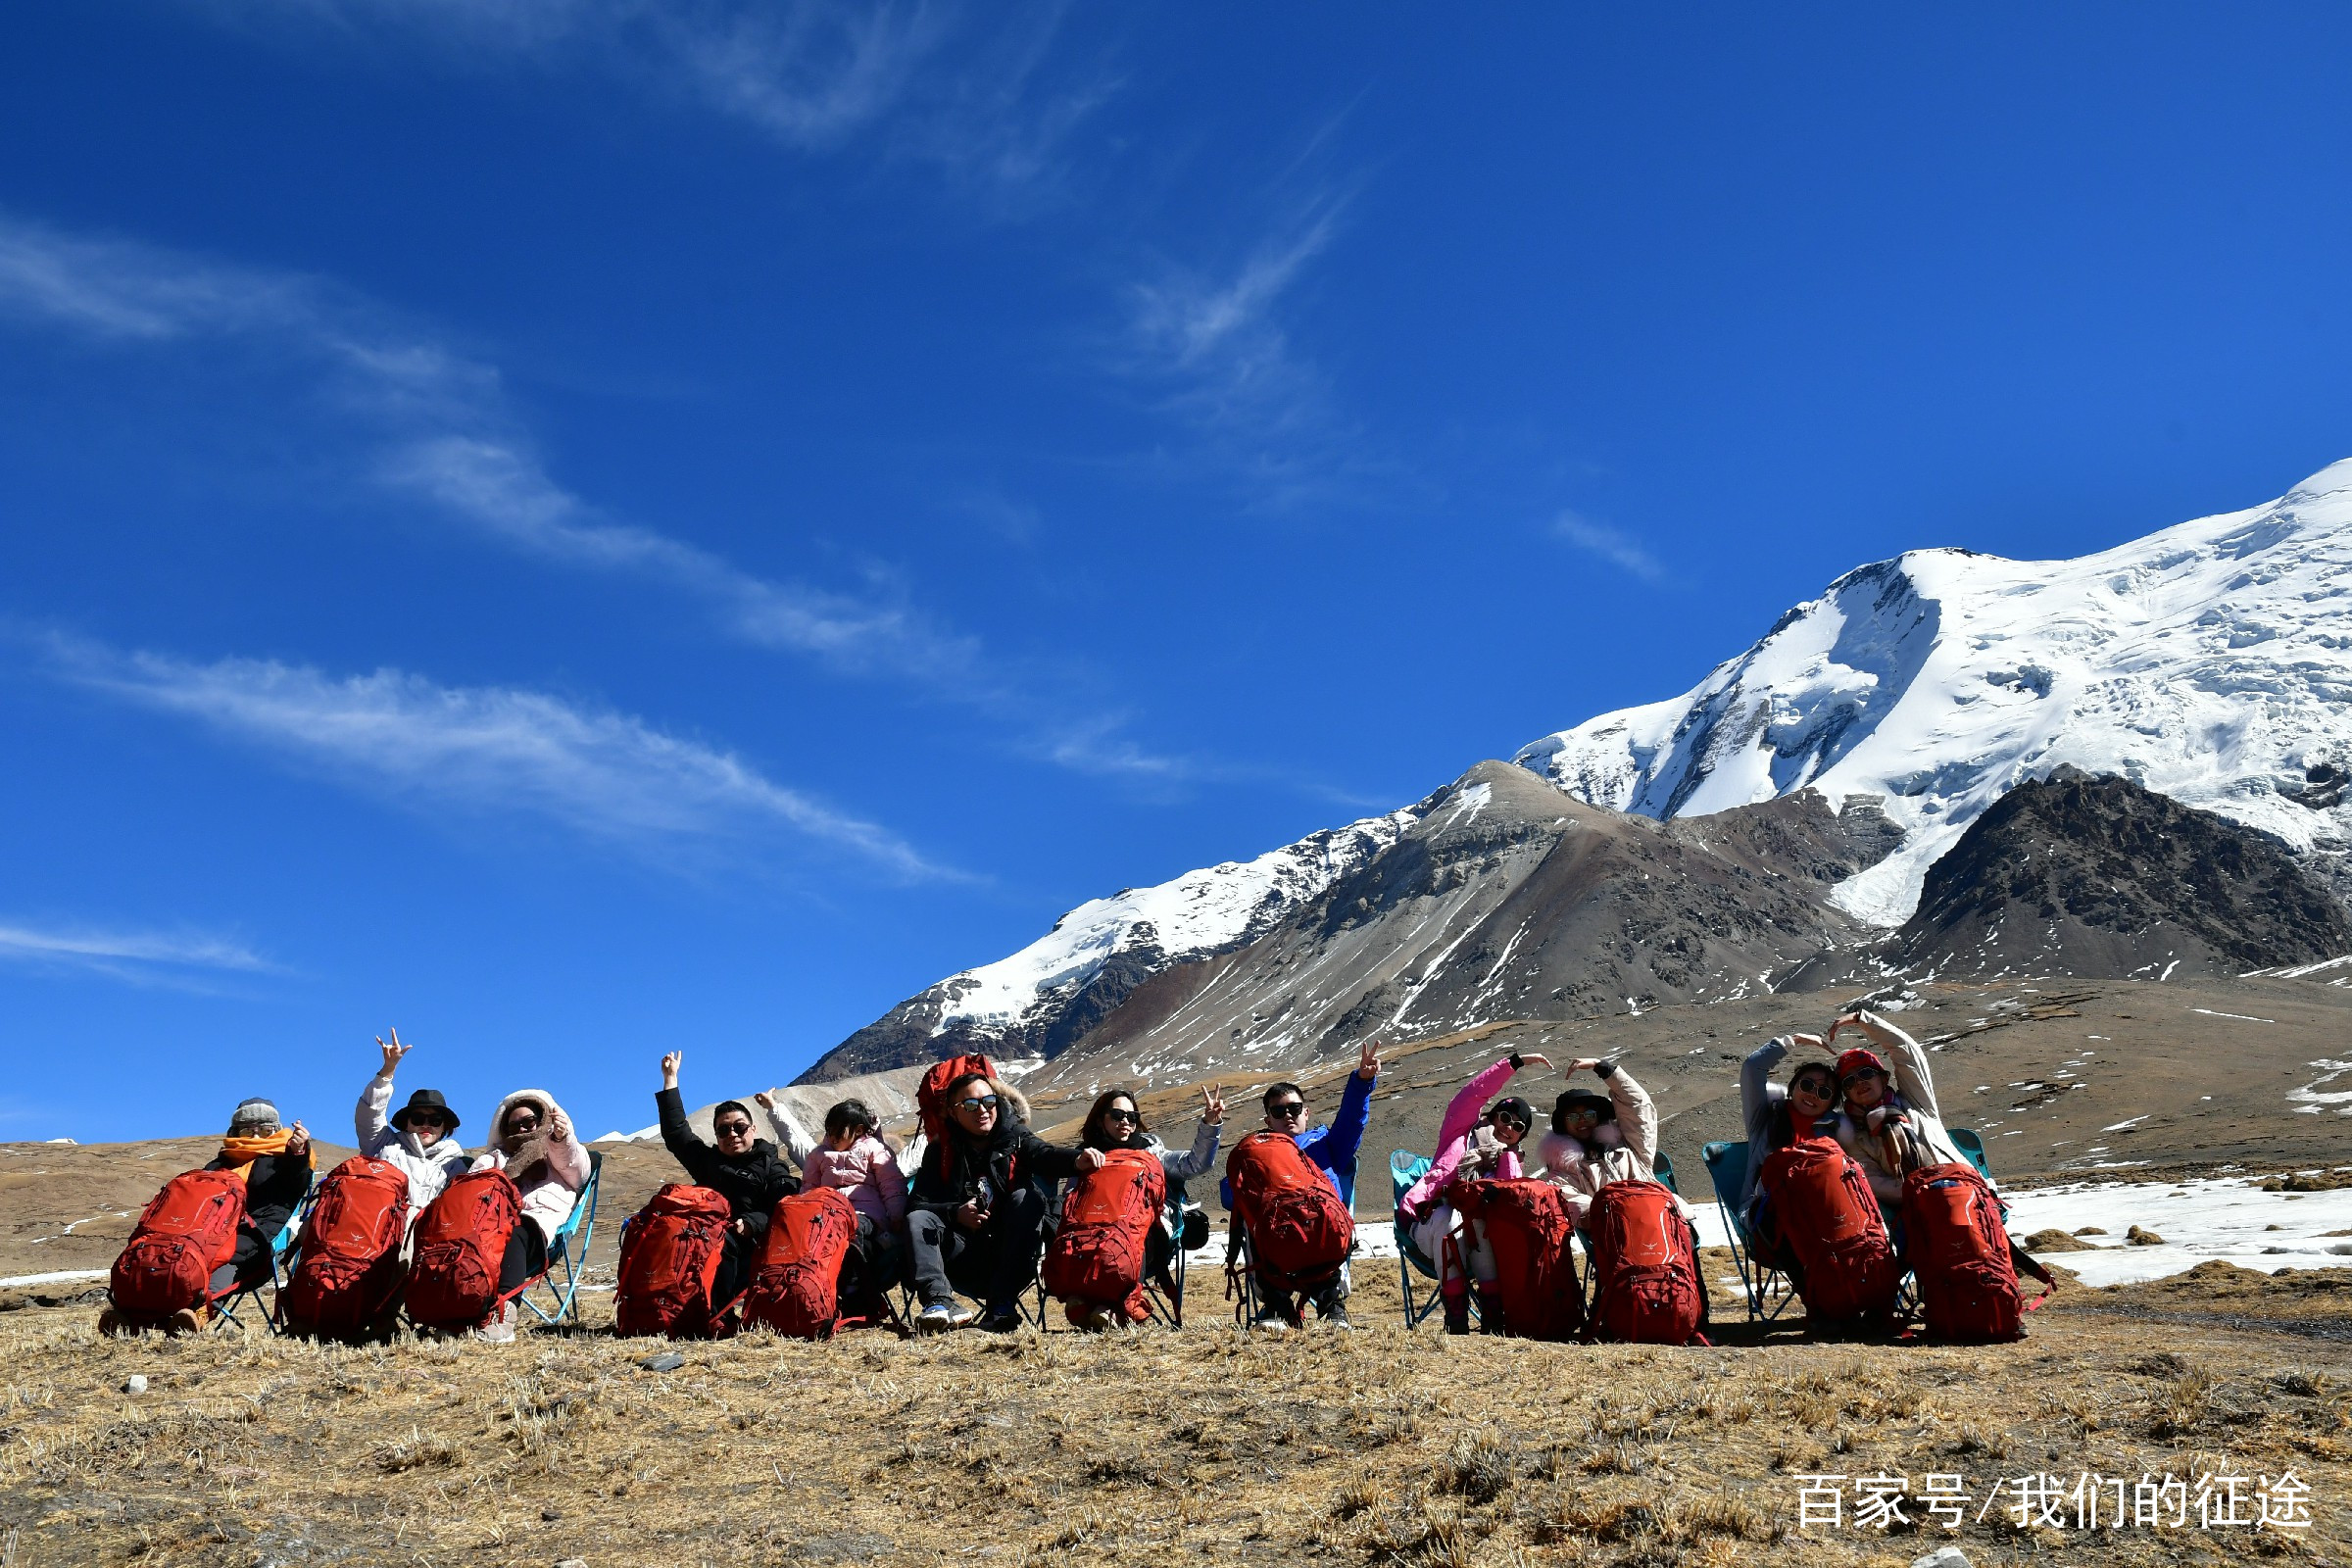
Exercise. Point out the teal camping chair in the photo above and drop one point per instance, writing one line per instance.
(1768, 1289)
(1405, 1168)
(569, 1254)
(1974, 1148)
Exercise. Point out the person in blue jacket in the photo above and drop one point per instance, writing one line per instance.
(1333, 1149)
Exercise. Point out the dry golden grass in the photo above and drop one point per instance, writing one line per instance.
(1381, 1448)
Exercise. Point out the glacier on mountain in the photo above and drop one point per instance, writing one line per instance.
(2211, 662)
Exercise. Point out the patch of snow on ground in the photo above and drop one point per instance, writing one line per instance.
(63, 1276)
(2199, 1220)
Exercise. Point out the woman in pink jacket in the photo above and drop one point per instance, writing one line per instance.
(1468, 1145)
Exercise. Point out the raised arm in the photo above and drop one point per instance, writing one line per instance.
(1757, 1091)
(788, 1137)
(371, 1121)
(1908, 1059)
(1202, 1157)
(1637, 1115)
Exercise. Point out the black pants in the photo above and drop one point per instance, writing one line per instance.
(873, 1264)
(738, 1261)
(996, 1262)
(250, 1264)
(525, 1260)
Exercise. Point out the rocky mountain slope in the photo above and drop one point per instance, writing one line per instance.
(1039, 1001)
(2099, 878)
(2211, 662)
(1506, 900)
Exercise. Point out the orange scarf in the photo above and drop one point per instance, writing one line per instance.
(241, 1153)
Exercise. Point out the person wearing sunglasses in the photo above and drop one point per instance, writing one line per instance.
(1596, 1139)
(1470, 1145)
(420, 1138)
(1890, 1123)
(534, 1144)
(1118, 1122)
(1334, 1148)
(976, 1214)
(745, 1170)
(1776, 1116)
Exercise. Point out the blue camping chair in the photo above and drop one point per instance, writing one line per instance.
(1769, 1292)
(283, 1261)
(1405, 1168)
(1974, 1148)
(1664, 1166)
(568, 1254)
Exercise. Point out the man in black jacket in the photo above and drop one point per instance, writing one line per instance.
(748, 1173)
(976, 1215)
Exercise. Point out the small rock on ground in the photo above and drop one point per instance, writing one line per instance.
(669, 1361)
(1941, 1557)
(134, 1383)
(2140, 1236)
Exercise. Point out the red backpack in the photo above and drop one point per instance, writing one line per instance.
(460, 1247)
(1959, 1252)
(1097, 1250)
(1827, 1216)
(1299, 1231)
(931, 1094)
(188, 1230)
(797, 1288)
(1528, 1225)
(670, 1251)
(1646, 1288)
(350, 1268)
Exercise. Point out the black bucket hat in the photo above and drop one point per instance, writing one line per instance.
(1582, 1097)
(424, 1099)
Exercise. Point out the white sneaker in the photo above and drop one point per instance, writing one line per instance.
(943, 1316)
(1269, 1320)
(498, 1327)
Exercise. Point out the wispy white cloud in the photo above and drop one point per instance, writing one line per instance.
(436, 424)
(967, 89)
(1616, 548)
(485, 750)
(112, 951)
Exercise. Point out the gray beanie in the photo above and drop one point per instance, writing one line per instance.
(255, 1113)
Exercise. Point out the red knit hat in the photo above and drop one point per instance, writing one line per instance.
(1854, 1060)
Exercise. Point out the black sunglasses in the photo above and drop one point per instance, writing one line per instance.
(1860, 1073)
(1115, 1114)
(731, 1129)
(984, 1102)
(1288, 1109)
(427, 1118)
(1820, 1088)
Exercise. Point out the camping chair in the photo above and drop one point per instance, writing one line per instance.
(282, 1262)
(1164, 1291)
(1405, 1168)
(1969, 1143)
(569, 1253)
(1767, 1291)
(1664, 1166)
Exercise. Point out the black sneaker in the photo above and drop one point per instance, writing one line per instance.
(999, 1322)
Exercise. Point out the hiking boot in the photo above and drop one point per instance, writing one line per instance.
(109, 1323)
(1271, 1319)
(939, 1317)
(1334, 1316)
(184, 1321)
(1490, 1315)
(1457, 1314)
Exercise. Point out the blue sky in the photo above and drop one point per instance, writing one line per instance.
(575, 527)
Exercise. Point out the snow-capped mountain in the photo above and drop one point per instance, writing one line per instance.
(1043, 998)
(2211, 662)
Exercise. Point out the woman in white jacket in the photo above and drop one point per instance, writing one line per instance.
(1596, 1139)
(420, 1138)
(535, 1147)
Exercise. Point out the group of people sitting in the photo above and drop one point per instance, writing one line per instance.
(987, 1193)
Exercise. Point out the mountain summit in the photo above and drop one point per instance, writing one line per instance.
(2211, 662)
